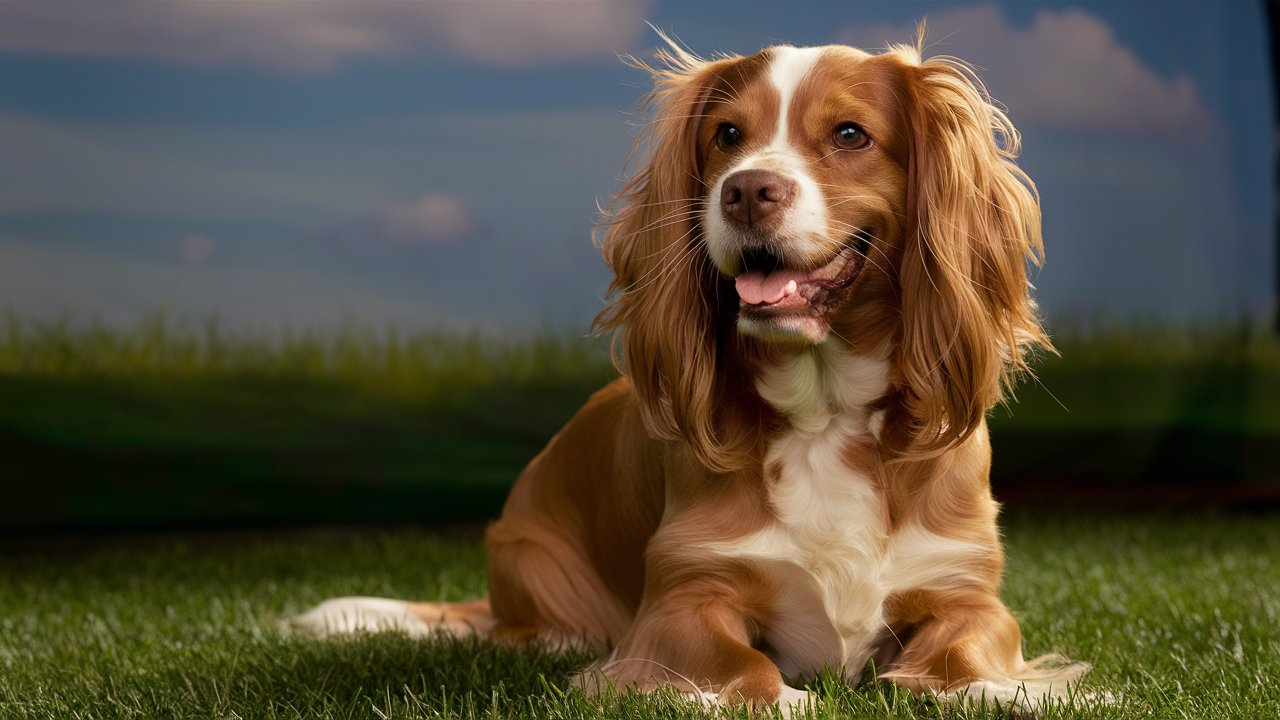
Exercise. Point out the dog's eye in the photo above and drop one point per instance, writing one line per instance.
(728, 135)
(848, 136)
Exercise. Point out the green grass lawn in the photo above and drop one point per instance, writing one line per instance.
(1178, 614)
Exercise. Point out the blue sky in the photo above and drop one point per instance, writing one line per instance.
(301, 162)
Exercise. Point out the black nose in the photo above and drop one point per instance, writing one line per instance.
(754, 197)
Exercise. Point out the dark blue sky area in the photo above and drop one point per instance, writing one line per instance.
(427, 163)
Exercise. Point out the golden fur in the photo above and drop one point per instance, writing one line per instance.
(658, 520)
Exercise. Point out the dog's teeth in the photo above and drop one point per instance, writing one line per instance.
(790, 288)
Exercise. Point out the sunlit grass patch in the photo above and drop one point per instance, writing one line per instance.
(377, 359)
(1177, 614)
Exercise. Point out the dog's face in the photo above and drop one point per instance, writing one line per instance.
(821, 195)
(803, 157)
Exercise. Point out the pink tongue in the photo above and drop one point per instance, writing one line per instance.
(755, 287)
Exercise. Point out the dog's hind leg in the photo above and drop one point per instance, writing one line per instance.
(540, 587)
(542, 584)
(456, 618)
(354, 615)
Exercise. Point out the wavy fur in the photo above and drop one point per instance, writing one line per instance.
(810, 488)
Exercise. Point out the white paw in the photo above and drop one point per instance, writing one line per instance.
(987, 691)
(353, 615)
(793, 703)
(1028, 696)
(703, 698)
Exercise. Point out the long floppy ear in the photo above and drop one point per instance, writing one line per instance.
(973, 227)
(667, 334)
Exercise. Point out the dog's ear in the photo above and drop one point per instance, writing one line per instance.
(668, 335)
(973, 227)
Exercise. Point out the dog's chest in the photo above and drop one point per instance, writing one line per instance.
(824, 555)
(826, 552)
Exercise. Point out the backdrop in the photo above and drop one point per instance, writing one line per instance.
(248, 248)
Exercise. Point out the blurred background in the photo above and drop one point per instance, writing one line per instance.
(294, 262)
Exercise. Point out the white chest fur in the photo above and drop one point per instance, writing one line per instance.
(829, 554)
(826, 549)
(824, 553)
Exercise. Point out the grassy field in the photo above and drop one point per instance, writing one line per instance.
(1178, 614)
(177, 424)
(174, 423)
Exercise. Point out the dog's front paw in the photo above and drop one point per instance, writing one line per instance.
(791, 702)
(795, 703)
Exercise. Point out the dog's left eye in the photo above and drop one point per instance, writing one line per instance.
(848, 136)
(728, 135)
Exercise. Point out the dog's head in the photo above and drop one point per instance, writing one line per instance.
(821, 195)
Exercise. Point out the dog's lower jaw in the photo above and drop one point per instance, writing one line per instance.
(799, 330)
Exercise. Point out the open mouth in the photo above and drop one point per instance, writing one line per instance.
(767, 288)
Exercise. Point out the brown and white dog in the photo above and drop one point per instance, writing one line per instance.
(820, 290)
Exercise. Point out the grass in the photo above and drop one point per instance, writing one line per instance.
(1222, 375)
(1178, 614)
(174, 423)
(436, 364)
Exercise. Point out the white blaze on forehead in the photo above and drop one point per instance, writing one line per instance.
(787, 69)
(803, 227)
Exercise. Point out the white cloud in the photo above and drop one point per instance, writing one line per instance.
(433, 218)
(319, 176)
(315, 35)
(1066, 69)
(198, 249)
(435, 221)
(172, 169)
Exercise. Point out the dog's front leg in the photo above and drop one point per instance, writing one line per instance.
(968, 644)
(696, 635)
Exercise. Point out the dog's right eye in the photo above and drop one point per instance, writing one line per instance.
(728, 135)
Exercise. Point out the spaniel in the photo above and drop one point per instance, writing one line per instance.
(820, 290)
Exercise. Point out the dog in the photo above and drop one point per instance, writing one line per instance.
(820, 289)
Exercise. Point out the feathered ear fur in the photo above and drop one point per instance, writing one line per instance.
(973, 226)
(668, 337)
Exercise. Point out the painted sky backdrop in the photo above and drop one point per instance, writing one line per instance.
(303, 162)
